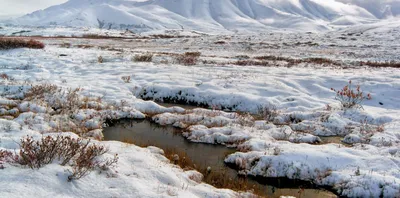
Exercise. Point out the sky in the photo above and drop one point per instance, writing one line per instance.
(20, 7)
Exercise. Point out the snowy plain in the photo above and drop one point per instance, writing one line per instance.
(290, 146)
(297, 143)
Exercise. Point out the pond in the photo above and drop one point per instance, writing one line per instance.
(147, 133)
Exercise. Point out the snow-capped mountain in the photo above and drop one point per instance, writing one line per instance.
(211, 15)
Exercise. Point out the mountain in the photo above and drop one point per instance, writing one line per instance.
(208, 15)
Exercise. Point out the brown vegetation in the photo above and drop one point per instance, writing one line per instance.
(143, 58)
(381, 64)
(349, 97)
(96, 36)
(13, 43)
(78, 153)
(188, 58)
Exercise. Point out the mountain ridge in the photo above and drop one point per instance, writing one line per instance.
(205, 15)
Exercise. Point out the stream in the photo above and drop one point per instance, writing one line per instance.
(144, 132)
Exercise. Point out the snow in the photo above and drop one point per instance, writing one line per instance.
(289, 144)
(212, 16)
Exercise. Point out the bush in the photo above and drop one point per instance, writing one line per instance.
(126, 79)
(268, 112)
(143, 58)
(100, 59)
(5, 156)
(39, 91)
(349, 97)
(188, 58)
(80, 154)
(86, 161)
(4, 76)
(12, 43)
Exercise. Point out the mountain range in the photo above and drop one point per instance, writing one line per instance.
(213, 15)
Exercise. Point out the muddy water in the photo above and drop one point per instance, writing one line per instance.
(144, 132)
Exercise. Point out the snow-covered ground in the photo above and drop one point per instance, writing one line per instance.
(287, 145)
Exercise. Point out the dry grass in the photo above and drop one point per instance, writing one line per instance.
(250, 63)
(143, 58)
(65, 45)
(220, 179)
(13, 43)
(188, 58)
(62, 103)
(180, 158)
(96, 36)
(381, 64)
(163, 36)
(38, 91)
(167, 36)
(292, 61)
(84, 46)
(216, 178)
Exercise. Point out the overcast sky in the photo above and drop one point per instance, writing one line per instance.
(20, 7)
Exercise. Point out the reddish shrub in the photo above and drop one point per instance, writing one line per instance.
(349, 97)
(78, 153)
(5, 156)
(13, 43)
(188, 58)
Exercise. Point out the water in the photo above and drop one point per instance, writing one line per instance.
(144, 132)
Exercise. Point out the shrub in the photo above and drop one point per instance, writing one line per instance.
(349, 97)
(80, 154)
(220, 42)
(143, 58)
(100, 59)
(196, 54)
(65, 45)
(5, 156)
(268, 112)
(188, 58)
(12, 43)
(39, 91)
(86, 161)
(126, 79)
(4, 76)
